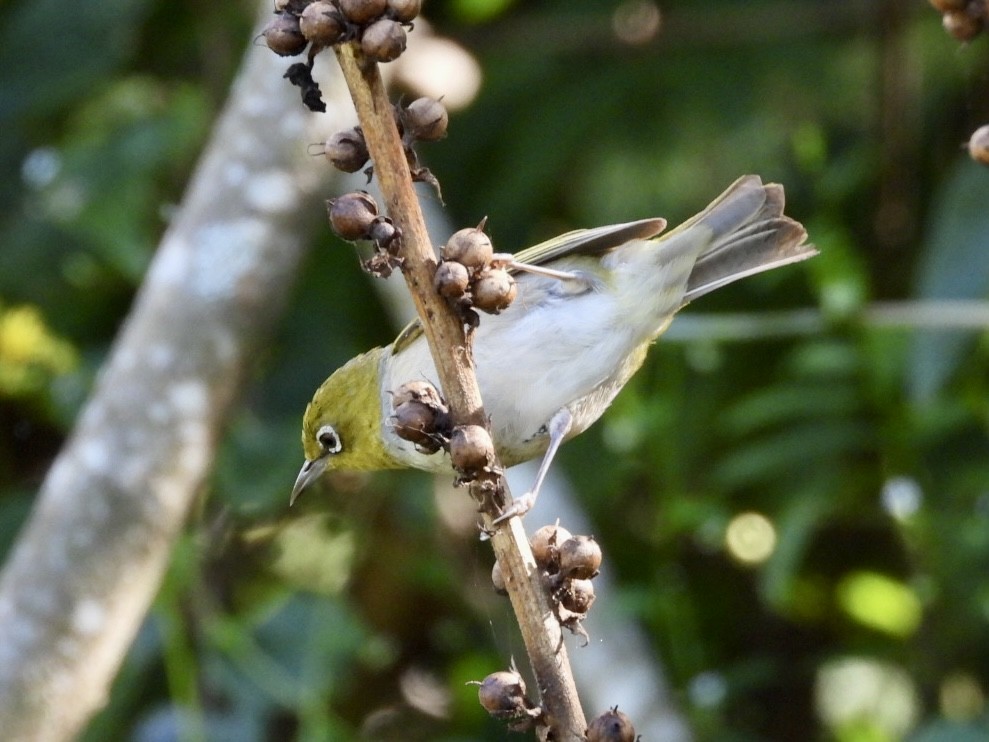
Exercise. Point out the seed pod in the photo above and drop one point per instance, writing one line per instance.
(578, 596)
(384, 234)
(425, 119)
(283, 37)
(498, 579)
(580, 557)
(421, 415)
(545, 544)
(502, 691)
(494, 290)
(470, 247)
(347, 150)
(404, 11)
(611, 726)
(362, 11)
(351, 215)
(471, 449)
(962, 24)
(420, 391)
(291, 6)
(978, 145)
(320, 22)
(418, 422)
(384, 40)
(451, 279)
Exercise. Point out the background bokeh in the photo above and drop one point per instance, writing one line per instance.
(792, 495)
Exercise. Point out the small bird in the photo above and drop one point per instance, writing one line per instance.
(589, 304)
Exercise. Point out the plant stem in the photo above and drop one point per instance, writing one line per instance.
(541, 632)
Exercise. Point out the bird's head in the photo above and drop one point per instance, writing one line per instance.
(341, 429)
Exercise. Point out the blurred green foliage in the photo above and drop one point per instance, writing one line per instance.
(864, 448)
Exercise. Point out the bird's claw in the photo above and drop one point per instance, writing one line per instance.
(519, 507)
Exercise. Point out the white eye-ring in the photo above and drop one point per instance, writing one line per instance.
(329, 439)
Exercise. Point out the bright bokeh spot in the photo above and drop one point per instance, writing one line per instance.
(440, 68)
(636, 21)
(861, 698)
(901, 497)
(750, 538)
(880, 602)
(29, 352)
(961, 697)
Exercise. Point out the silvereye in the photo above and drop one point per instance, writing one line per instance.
(550, 364)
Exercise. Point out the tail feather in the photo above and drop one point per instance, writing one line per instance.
(750, 235)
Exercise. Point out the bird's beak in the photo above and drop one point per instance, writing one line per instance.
(307, 475)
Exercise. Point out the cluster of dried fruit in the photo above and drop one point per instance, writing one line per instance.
(422, 417)
(502, 694)
(423, 120)
(354, 216)
(472, 275)
(963, 19)
(567, 563)
(377, 25)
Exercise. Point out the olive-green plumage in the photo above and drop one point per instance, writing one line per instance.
(551, 363)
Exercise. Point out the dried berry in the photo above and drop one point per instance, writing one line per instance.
(384, 40)
(321, 23)
(384, 234)
(470, 247)
(494, 290)
(978, 145)
(283, 37)
(425, 119)
(404, 11)
(291, 6)
(451, 279)
(362, 11)
(502, 691)
(580, 557)
(964, 25)
(416, 422)
(498, 579)
(347, 150)
(577, 596)
(420, 391)
(471, 449)
(351, 215)
(545, 544)
(421, 416)
(611, 726)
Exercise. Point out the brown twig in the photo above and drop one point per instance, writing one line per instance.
(444, 331)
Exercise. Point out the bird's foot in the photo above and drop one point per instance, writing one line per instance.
(518, 507)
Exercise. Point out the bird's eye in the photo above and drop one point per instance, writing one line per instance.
(329, 439)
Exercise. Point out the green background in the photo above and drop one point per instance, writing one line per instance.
(863, 446)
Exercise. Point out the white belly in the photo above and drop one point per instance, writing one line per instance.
(551, 349)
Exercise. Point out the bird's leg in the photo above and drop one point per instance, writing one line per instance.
(557, 429)
(548, 272)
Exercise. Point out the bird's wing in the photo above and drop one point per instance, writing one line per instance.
(412, 332)
(596, 241)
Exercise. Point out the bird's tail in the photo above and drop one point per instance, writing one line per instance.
(750, 235)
